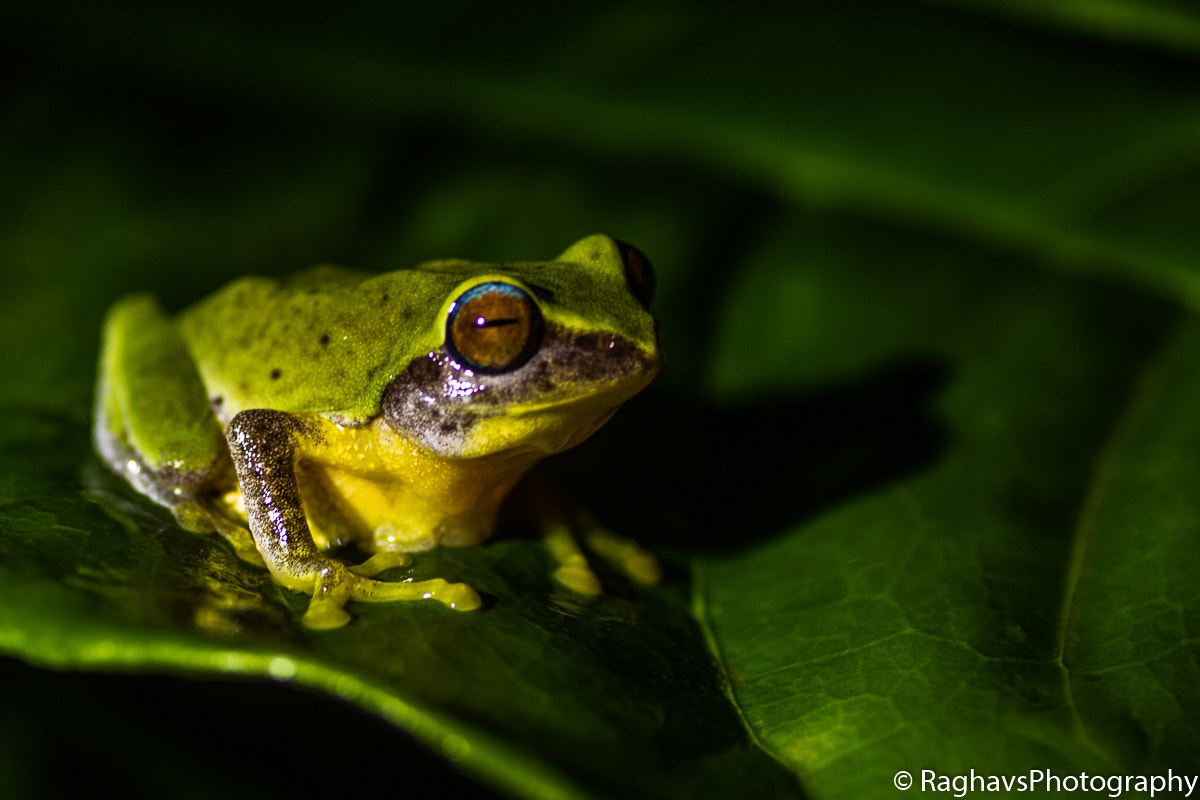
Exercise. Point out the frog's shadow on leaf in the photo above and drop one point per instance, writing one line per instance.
(706, 478)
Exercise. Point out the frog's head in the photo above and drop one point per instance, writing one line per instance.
(533, 356)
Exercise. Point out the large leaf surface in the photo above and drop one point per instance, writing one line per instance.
(968, 616)
(920, 466)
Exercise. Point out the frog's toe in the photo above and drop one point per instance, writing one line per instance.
(635, 561)
(576, 575)
(458, 596)
(324, 614)
(380, 562)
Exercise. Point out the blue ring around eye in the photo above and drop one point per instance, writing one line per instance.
(486, 288)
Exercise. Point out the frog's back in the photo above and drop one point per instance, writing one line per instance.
(326, 340)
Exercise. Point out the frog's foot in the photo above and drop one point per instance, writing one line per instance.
(574, 572)
(337, 585)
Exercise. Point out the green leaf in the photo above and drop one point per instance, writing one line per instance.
(961, 618)
(1073, 151)
(581, 685)
(1157, 24)
(920, 466)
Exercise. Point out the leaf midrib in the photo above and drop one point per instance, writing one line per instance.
(700, 606)
(1147, 389)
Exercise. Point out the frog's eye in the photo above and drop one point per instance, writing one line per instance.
(493, 327)
(638, 272)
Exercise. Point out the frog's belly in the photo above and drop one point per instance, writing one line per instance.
(370, 486)
(382, 514)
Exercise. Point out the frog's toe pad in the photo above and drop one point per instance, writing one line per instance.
(645, 569)
(635, 561)
(578, 576)
(324, 616)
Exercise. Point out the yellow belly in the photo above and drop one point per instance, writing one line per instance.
(372, 487)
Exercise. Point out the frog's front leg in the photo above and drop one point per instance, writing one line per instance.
(263, 444)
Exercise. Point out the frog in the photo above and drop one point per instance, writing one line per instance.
(393, 412)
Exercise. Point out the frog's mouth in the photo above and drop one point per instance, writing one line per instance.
(569, 365)
(599, 395)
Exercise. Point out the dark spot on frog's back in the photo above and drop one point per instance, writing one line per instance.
(324, 340)
(276, 374)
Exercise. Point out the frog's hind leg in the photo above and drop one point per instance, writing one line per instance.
(263, 444)
(153, 421)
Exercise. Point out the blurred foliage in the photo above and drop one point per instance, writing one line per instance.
(920, 465)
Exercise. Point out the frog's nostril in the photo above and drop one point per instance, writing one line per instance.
(639, 274)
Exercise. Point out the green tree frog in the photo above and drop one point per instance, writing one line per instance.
(395, 411)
